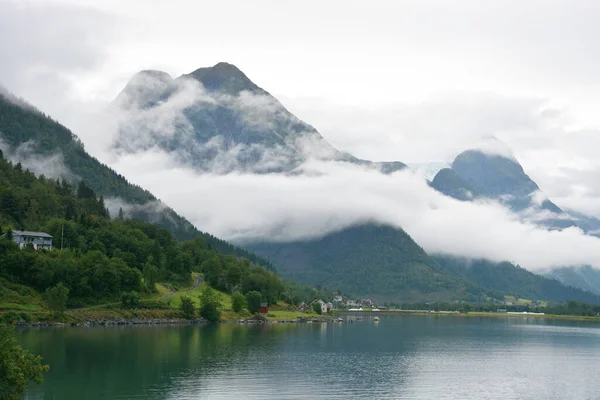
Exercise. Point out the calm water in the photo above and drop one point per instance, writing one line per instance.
(398, 358)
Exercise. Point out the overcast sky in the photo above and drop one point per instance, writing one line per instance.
(414, 81)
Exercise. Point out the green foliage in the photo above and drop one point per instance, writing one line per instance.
(253, 300)
(507, 279)
(130, 299)
(102, 258)
(151, 274)
(187, 307)
(317, 308)
(57, 297)
(238, 302)
(17, 366)
(368, 259)
(210, 304)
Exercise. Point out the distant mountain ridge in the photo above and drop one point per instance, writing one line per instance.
(475, 174)
(216, 119)
(368, 260)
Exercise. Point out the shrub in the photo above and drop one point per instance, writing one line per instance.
(317, 308)
(57, 297)
(10, 317)
(18, 366)
(253, 299)
(187, 307)
(130, 299)
(210, 304)
(238, 302)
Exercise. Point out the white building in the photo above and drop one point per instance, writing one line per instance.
(39, 240)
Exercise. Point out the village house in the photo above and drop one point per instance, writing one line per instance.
(264, 308)
(352, 303)
(325, 307)
(39, 240)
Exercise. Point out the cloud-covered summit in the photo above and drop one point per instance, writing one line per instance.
(217, 120)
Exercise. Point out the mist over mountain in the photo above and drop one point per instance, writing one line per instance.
(237, 164)
(223, 132)
(216, 119)
(475, 174)
(44, 146)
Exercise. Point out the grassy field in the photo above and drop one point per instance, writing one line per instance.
(20, 307)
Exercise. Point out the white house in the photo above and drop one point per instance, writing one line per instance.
(39, 240)
(325, 307)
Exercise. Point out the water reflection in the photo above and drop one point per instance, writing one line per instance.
(399, 357)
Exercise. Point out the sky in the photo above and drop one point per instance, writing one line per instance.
(415, 81)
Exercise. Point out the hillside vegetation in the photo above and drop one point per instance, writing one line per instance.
(23, 125)
(102, 258)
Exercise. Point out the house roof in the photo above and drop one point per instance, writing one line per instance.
(29, 233)
(264, 304)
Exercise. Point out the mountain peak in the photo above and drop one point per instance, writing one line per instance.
(226, 78)
(493, 174)
(146, 88)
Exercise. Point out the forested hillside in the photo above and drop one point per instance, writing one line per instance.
(513, 280)
(103, 258)
(369, 260)
(21, 124)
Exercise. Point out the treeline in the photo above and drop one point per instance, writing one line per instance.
(513, 280)
(578, 308)
(103, 258)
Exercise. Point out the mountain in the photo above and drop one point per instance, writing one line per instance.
(512, 280)
(369, 260)
(47, 147)
(475, 174)
(216, 119)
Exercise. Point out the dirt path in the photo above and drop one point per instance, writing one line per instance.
(197, 283)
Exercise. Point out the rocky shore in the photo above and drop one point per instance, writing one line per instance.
(167, 321)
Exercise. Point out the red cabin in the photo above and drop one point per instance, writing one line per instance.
(264, 308)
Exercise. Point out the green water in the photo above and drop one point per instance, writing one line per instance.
(411, 357)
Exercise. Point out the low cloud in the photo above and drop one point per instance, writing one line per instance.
(51, 166)
(247, 207)
(324, 195)
(155, 210)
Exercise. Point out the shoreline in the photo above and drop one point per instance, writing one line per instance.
(471, 314)
(98, 318)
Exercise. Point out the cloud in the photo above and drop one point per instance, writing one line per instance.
(247, 207)
(53, 54)
(154, 210)
(61, 52)
(51, 166)
(324, 195)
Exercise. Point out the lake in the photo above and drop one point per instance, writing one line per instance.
(400, 357)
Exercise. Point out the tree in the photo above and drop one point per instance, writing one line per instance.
(130, 299)
(57, 297)
(150, 274)
(17, 366)
(121, 214)
(238, 302)
(317, 308)
(187, 307)
(253, 299)
(210, 304)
